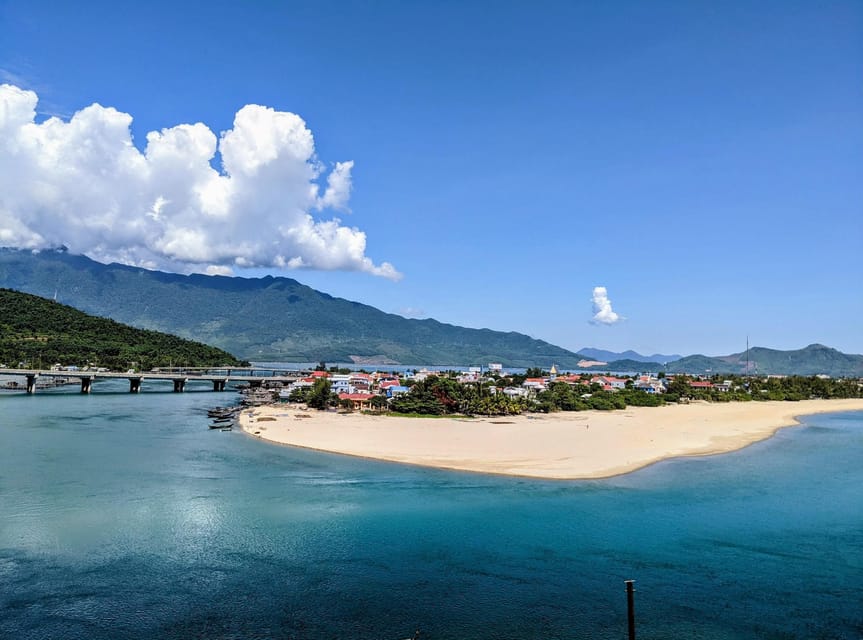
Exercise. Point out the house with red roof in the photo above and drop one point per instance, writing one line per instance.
(649, 384)
(359, 400)
(701, 384)
(535, 384)
(362, 382)
(571, 379)
(609, 383)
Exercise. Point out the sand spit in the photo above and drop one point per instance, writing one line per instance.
(566, 445)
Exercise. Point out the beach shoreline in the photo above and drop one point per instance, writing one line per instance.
(560, 446)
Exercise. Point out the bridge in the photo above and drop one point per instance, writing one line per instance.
(219, 377)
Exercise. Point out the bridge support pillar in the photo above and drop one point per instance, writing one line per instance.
(134, 385)
(219, 385)
(179, 385)
(86, 383)
(31, 382)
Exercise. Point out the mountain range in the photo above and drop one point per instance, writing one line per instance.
(280, 319)
(811, 360)
(264, 318)
(611, 356)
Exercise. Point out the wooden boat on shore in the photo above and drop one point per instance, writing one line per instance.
(222, 412)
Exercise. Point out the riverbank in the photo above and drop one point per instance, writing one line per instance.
(566, 445)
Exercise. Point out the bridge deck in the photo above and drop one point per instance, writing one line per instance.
(218, 376)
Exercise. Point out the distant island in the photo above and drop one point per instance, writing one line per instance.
(39, 333)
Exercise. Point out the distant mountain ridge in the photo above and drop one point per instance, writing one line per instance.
(814, 359)
(264, 318)
(628, 366)
(279, 319)
(611, 356)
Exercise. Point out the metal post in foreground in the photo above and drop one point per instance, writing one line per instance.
(630, 607)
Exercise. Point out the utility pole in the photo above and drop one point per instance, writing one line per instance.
(630, 607)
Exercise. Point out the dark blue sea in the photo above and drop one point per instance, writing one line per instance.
(124, 517)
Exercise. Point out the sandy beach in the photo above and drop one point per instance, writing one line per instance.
(566, 445)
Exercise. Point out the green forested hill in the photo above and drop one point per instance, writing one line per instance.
(41, 332)
(264, 318)
(809, 361)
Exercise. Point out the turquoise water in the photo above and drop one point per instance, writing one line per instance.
(123, 516)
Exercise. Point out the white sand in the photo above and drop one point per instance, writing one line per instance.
(588, 444)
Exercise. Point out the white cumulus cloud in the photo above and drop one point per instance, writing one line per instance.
(602, 311)
(82, 183)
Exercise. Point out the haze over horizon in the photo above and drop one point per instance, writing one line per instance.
(666, 179)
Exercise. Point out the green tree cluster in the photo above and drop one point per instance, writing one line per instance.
(803, 388)
(744, 388)
(41, 333)
(440, 395)
(561, 396)
(320, 396)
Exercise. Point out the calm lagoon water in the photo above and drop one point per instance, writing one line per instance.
(123, 516)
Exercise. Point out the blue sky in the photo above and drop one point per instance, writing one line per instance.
(701, 161)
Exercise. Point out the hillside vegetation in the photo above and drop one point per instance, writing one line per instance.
(812, 360)
(41, 332)
(264, 318)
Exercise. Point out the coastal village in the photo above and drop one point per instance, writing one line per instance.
(494, 390)
(358, 390)
(534, 390)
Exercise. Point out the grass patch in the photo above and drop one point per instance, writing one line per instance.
(396, 414)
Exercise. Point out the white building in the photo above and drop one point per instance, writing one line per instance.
(341, 384)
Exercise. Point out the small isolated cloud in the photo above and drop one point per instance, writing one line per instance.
(602, 311)
(218, 270)
(411, 312)
(81, 182)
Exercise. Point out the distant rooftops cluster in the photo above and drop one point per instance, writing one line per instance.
(376, 390)
(360, 387)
